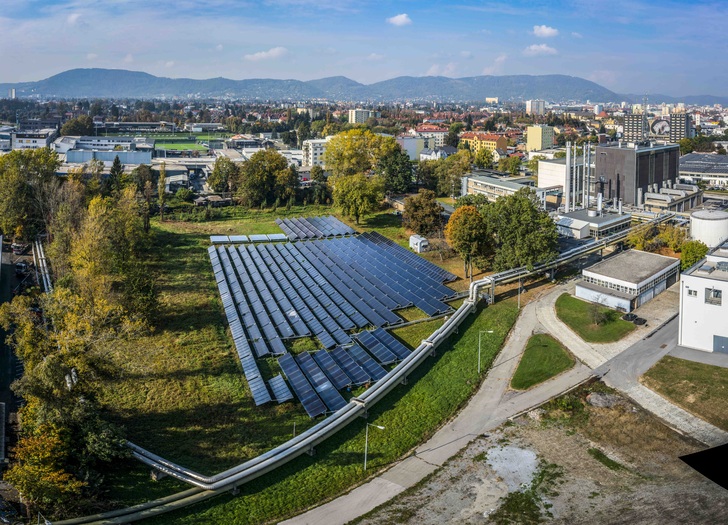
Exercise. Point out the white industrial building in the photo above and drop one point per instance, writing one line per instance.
(703, 313)
(628, 280)
(583, 224)
(36, 139)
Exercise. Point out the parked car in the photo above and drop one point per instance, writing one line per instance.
(19, 248)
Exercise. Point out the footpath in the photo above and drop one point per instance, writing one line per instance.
(619, 364)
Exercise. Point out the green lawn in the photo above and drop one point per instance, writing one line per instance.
(696, 387)
(578, 315)
(410, 414)
(181, 146)
(543, 359)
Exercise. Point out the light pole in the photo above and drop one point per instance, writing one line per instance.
(366, 442)
(479, 334)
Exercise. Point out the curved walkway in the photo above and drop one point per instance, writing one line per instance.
(619, 364)
(491, 406)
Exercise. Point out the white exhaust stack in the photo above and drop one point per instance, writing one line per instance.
(567, 179)
(620, 206)
(599, 204)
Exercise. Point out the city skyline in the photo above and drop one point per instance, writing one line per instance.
(628, 47)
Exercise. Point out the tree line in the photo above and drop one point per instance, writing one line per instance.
(98, 242)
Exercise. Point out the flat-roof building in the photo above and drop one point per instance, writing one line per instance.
(707, 167)
(628, 280)
(583, 224)
(539, 138)
(703, 312)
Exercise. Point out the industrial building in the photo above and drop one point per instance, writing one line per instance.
(706, 167)
(679, 198)
(584, 224)
(628, 280)
(703, 313)
(494, 187)
(629, 171)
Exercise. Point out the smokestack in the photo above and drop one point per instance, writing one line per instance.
(620, 206)
(575, 191)
(599, 204)
(567, 178)
(639, 196)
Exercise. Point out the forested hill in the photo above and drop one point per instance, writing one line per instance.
(117, 83)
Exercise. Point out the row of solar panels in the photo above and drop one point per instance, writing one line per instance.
(250, 368)
(245, 239)
(423, 265)
(395, 279)
(316, 378)
(313, 227)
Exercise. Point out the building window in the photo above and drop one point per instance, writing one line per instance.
(692, 293)
(713, 296)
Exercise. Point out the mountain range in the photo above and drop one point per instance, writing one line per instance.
(119, 83)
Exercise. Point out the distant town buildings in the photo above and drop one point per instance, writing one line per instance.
(35, 139)
(313, 151)
(680, 126)
(535, 107)
(635, 127)
(360, 116)
(539, 137)
(488, 141)
(437, 153)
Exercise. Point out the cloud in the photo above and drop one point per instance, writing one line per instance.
(73, 18)
(218, 47)
(545, 31)
(91, 56)
(577, 35)
(373, 57)
(274, 52)
(539, 49)
(400, 20)
(436, 70)
(129, 58)
(497, 65)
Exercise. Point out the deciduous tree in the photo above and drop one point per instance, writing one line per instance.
(422, 213)
(467, 233)
(691, 252)
(258, 177)
(357, 195)
(395, 169)
(356, 151)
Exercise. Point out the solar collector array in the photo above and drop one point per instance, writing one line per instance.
(310, 400)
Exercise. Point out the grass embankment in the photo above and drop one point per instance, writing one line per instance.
(410, 413)
(543, 359)
(698, 388)
(579, 316)
(181, 146)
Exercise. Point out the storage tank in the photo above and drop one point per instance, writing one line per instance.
(709, 226)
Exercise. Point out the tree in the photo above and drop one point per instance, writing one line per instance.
(224, 175)
(356, 151)
(286, 182)
(643, 238)
(672, 236)
(484, 158)
(691, 253)
(258, 177)
(422, 213)
(162, 190)
(82, 125)
(116, 175)
(453, 134)
(532, 164)
(356, 195)
(317, 174)
(426, 173)
(467, 233)
(450, 172)
(510, 164)
(524, 233)
(395, 169)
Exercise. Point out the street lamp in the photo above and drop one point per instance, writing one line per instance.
(366, 442)
(479, 334)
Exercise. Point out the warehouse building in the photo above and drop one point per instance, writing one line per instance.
(628, 280)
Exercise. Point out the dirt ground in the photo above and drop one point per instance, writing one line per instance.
(611, 465)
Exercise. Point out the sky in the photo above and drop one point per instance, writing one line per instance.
(670, 47)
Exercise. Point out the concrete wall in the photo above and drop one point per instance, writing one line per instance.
(603, 299)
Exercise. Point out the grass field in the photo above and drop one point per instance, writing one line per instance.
(698, 388)
(180, 391)
(577, 314)
(543, 359)
(409, 414)
(181, 146)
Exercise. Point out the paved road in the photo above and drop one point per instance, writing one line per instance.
(621, 363)
(492, 405)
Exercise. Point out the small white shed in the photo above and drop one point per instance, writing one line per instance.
(418, 243)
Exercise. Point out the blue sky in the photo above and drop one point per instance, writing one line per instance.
(671, 47)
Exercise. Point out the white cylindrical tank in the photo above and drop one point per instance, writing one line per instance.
(709, 226)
